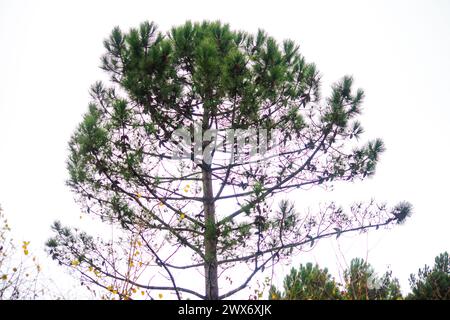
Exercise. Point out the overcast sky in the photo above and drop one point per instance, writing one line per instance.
(397, 51)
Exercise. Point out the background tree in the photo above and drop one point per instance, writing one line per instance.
(308, 282)
(362, 283)
(432, 283)
(213, 209)
(19, 270)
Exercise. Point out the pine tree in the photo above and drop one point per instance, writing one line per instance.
(432, 283)
(362, 283)
(307, 283)
(136, 160)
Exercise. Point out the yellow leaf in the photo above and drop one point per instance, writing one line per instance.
(75, 262)
(160, 295)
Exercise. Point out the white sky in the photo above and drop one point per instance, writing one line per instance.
(397, 51)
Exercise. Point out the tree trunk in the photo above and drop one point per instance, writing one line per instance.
(210, 238)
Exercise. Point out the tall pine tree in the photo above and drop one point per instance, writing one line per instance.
(182, 205)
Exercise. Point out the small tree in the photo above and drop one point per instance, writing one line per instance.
(187, 150)
(18, 277)
(307, 283)
(432, 283)
(362, 283)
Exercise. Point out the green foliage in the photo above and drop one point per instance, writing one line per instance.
(307, 283)
(362, 283)
(432, 283)
(287, 214)
(401, 211)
